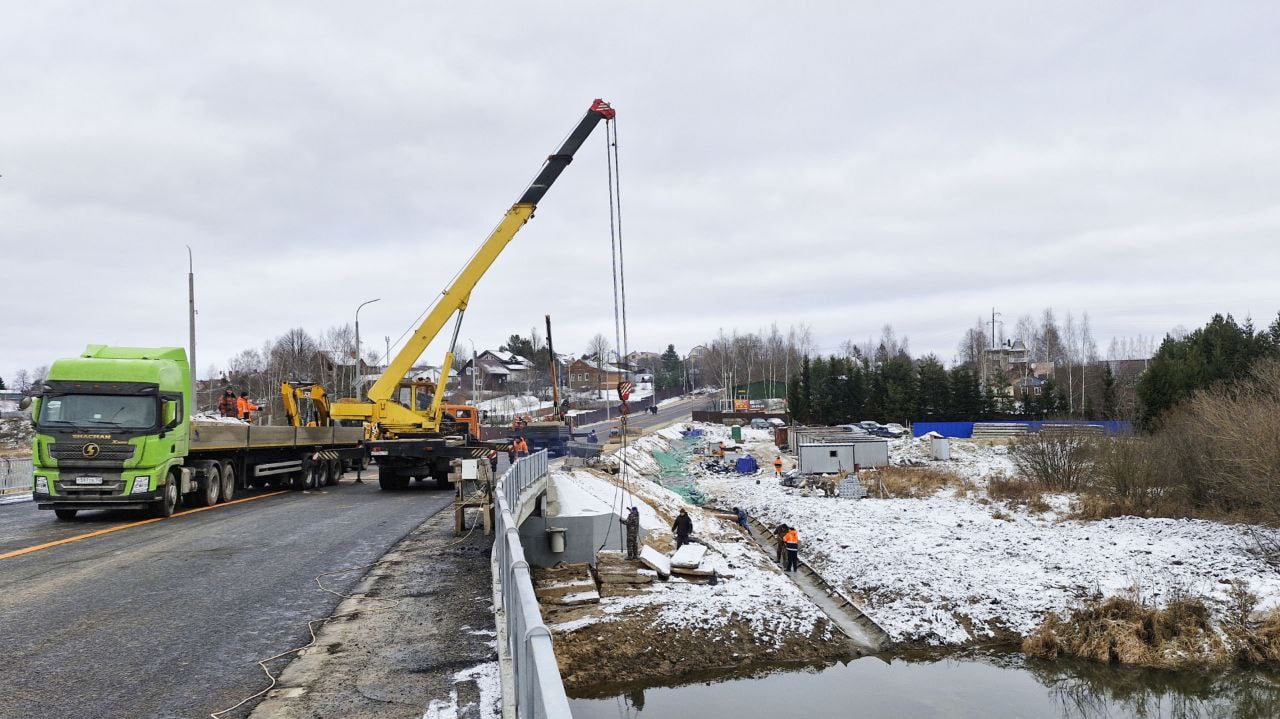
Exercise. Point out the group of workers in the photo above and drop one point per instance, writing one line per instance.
(229, 405)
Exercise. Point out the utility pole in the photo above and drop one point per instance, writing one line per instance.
(191, 332)
(555, 375)
(386, 358)
(994, 314)
(475, 371)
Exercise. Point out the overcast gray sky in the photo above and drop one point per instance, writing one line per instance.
(840, 164)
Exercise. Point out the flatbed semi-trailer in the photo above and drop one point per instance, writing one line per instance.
(113, 431)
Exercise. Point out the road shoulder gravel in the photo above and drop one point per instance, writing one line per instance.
(399, 644)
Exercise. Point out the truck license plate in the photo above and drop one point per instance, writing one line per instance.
(379, 453)
(88, 480)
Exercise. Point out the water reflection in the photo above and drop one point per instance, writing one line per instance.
(1093, 690)
(987, 685)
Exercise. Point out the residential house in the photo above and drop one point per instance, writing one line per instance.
(586, 375)
(495, 370)
(1003, 365)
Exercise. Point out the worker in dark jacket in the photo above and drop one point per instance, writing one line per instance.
(227, 406)
(632, 524)
(779, 532)
(740, 515)
(683, 527)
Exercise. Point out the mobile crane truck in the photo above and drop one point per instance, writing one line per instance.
(411, 442)
(113, 431)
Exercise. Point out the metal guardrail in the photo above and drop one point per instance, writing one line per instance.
(15, 475)
(539, 690)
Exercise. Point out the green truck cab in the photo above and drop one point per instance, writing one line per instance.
(110, 425)
(113, 431)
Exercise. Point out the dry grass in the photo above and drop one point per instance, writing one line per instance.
(910, 482)
(1122, 630)
(1257, 644)
(1019, 492)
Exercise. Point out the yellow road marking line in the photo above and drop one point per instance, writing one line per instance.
(109, 530)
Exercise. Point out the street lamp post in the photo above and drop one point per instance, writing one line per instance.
(356, 384)
(191, 329)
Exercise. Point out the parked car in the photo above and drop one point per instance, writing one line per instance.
(775, 422)
(884, 432)
(853, 428)
(868, 424)
(759, 423)
(895, 427)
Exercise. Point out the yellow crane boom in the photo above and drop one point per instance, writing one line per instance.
(381, 409)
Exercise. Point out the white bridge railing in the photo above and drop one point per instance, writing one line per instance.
(525, 654)
(15, 475)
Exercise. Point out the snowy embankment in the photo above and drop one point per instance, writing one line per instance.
(751, 591)
(509, 406)
(945, 571)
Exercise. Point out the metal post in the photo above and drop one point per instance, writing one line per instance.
(191, 329)
(475, 370)
(355, 385)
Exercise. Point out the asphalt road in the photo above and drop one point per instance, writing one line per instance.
(168, 619)
(673, 412)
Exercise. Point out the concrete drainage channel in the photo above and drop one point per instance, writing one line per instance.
(861, 629)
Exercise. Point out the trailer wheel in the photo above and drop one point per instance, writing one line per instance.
(334, 474)
(65, 515)
(168, 499)
(228, 482)
(210, 484)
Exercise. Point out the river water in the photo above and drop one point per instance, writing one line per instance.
(994, 686)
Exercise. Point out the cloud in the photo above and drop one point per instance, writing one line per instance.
(843, 165)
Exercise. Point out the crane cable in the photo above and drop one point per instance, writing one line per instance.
(619, 279)
(619, 308)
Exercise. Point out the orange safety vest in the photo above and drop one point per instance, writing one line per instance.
(777, 463)
(243, 406)
(792, 537)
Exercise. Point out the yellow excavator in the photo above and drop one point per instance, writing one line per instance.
(411, 442)
(295, 395)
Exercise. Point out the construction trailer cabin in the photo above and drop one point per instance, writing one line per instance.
(834, 456)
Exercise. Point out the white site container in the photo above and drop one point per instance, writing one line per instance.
(941, 448)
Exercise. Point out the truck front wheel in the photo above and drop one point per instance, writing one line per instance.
(168, 499)
(65, 514)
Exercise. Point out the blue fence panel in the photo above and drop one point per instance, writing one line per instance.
(964, 430)
(959, 430)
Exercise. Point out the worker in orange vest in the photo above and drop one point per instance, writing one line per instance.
(244, 406)
(777, 466)
(792, 541)
(522, 446)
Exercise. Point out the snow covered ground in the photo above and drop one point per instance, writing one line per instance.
(508, 406)
(752, 590)
(945, 571)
